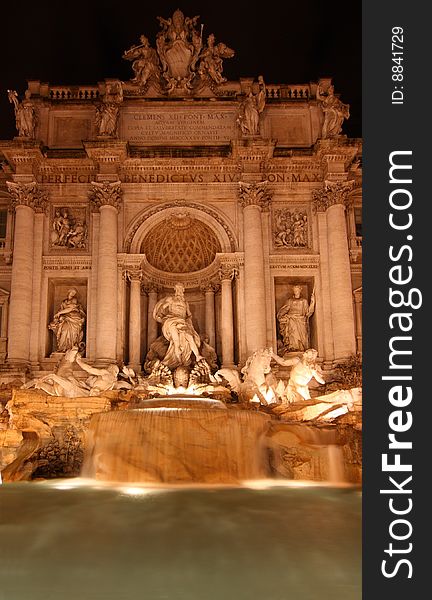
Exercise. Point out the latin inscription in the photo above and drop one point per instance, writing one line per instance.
(178, 177)
(178, 127)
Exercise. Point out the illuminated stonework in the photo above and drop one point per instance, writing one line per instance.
(239, 190)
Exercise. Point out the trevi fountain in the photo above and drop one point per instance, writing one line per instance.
(181, 335)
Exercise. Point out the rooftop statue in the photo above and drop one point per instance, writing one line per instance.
(25, 114)
(251, 108)
(107, 112)
(145, 63)
(180, 62)
(211, 61)
(335, 112)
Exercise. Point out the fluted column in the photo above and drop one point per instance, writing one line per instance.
(210, 324)
(152, 326)
(134, 276)
(254, 198)
(107, 198)
(26, 198)
(226, 275)
(332, 200)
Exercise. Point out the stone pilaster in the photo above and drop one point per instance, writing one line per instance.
(106, 197)
(134, 276)
(254, 197)
(210, 324)
(26, 199)
(331, 200)
(226, 275)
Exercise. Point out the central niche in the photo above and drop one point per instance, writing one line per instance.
(180, 244)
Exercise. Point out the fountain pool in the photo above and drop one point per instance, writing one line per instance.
(73, 539)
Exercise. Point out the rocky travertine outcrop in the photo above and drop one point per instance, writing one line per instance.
(44, 434)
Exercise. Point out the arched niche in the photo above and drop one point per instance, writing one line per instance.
(148, 219)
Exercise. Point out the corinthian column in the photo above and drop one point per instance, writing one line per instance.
(152, 326)
(254, 198)
(332, 200)
(209, 292)
(106, 197)
(135, 277)
(26, 198)
(227, 274)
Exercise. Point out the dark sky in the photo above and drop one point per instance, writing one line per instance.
(82, 41)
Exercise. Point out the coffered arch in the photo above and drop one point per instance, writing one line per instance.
(220, 229)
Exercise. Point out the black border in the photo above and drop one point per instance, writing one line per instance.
(386, 128)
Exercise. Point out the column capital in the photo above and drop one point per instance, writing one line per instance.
(149, 286)
(254, 194)
(106, 193)
(133, 274)
(27, 194)
(210, 287)
(227, 272)
(332, 193)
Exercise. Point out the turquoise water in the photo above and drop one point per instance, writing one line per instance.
(135, 543)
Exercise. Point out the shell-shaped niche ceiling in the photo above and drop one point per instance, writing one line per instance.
(180, 244)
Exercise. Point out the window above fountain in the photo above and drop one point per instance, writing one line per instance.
(180, 244)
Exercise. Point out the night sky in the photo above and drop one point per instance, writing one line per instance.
(81, 42)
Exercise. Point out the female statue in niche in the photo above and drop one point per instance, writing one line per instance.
(293, 319)
(68, 323)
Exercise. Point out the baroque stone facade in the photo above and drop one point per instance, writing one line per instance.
(239, 190)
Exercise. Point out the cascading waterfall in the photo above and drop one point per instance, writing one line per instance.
(177, 445)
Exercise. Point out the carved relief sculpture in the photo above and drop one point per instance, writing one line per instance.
(290, 228)
(335, 112)
(176, 318)
(293, 319)
(251, 108)
(69, 229)
(25, 114)
(68, 323)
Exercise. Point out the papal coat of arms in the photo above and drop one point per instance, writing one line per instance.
(181, 62)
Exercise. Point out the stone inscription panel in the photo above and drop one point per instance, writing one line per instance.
(69, 132)
(178, 127)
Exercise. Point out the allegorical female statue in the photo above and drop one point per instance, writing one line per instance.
(335, 112)
(293, 319)
(68, 323)
(176, 318)
(25, 114)
(251, 108)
